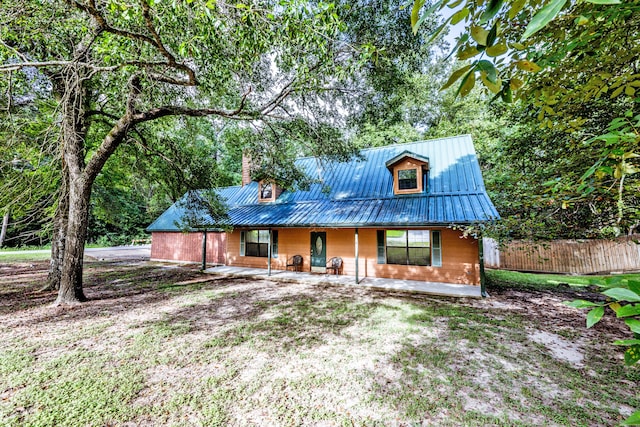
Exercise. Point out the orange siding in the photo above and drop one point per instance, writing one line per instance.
(187, 247)
(459, 255)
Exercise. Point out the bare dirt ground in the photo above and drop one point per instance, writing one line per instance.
(176, 347)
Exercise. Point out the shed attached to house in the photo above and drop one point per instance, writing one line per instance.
(391, 214)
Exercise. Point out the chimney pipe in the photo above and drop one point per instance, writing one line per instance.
(246, 169)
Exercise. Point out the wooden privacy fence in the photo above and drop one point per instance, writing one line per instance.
(565, 256)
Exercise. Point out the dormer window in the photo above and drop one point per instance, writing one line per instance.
(409, 171)
(408, 179)
(266, 190)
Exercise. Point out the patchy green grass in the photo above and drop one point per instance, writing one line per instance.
(515, 279)
(24, 257)
(168, 346)
(25, 248)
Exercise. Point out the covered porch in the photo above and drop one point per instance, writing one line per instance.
(433, 288)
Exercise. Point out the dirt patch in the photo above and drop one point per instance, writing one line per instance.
(211, 350)
(562, 349)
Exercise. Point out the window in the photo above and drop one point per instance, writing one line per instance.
(256, 243)
(409, 247)
(266, 190)
(407, 179)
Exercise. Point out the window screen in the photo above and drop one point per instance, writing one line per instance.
(256, 243)
(407, 179)
(409, 247)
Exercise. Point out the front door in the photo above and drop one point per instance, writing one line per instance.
(318, 251)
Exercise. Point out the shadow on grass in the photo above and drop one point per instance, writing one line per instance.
(237, 314)
(111, 287)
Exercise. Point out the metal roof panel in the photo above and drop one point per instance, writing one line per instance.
(361, 193)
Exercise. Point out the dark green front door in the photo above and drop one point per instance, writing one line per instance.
(318, 250)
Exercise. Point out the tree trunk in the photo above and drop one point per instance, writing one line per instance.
(60, 222)
(70, 291)
(5, 224)
(72, 134)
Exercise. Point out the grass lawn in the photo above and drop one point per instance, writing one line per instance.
(6, 257)
(166, 345)
(514, 279)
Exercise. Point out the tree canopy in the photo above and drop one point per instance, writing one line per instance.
(119, 70)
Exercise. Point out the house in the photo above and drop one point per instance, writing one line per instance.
(391, 214)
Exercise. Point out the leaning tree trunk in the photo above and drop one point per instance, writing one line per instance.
(58, 239)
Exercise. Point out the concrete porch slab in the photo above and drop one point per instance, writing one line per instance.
(433, 288)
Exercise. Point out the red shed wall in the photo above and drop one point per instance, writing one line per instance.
(187, 247)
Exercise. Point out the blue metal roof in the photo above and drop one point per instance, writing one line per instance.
(361, 193)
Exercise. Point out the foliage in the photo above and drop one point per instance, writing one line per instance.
(29, 165)
(623, 300)
(619, 160)
(204, 209)
(574, 67)
(386, 84)
(294, 61)
(550, 43)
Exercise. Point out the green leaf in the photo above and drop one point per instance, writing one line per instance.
(594, 316)
(634, 285)
(497, 49)
(479, 34)
(494, 87)
(529, 66)
(415, 14)
(543, 17)
(582, 20)
(516, 7)
(628, 310)
(632, 355)
(455, 76)
(459, 16)
(580, 303)
(492, 8)
(633, 420)
(604, 1)
(489, 68)
(468, 82)
(634, 325)
(626, 342)
(622, 294)
(507, 94)
(467, 52)
(493, 33)
(589, 172)
(416, 19)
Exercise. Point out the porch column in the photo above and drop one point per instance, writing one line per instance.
(357, 254)
(269, 251)
(204, 250)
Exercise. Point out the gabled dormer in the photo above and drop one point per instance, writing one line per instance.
(409, 172)
(268, 191)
